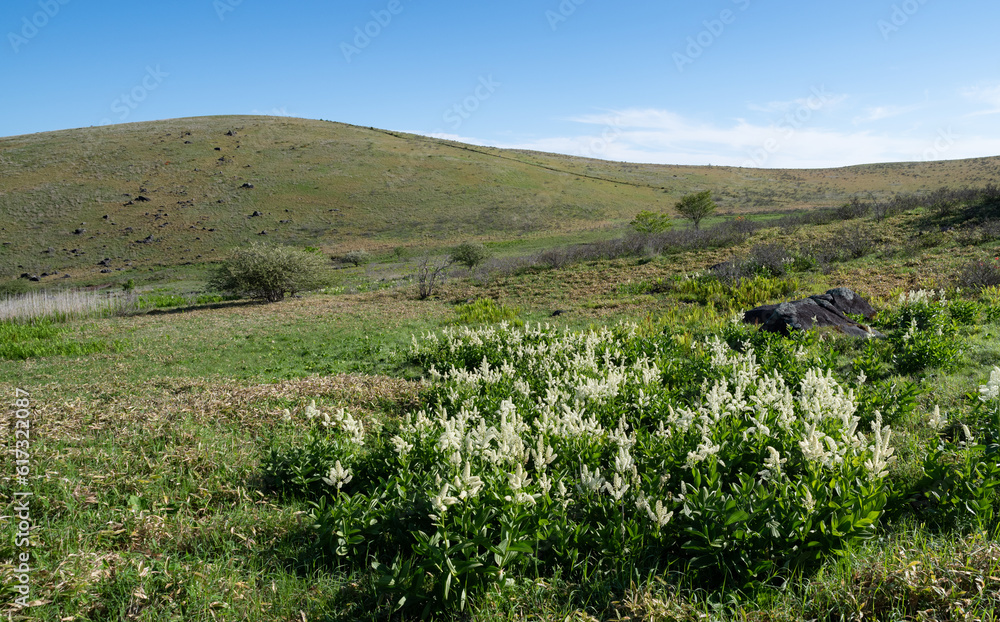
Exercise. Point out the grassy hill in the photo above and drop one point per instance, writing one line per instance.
(172, 193)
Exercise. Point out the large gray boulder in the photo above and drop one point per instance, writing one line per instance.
(822, 310)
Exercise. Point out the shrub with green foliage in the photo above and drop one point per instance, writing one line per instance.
(695, 207)
(469, 254)
(356, 258)
(13, 287)
(264, 272)
(651, 222)
(922, 332)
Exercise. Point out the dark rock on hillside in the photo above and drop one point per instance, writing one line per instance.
(822, 310)
(247, 185)
(142, 199)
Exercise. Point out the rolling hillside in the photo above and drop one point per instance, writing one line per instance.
(186, 190)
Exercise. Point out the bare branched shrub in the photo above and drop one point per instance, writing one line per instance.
(977, 275)
(430, 272)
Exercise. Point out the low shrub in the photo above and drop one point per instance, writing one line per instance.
(921, 331)
(469, 254)
(356, 258)
(267, 273)
(976, 275)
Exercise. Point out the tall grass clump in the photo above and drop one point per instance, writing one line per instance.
(43, 337)
(66, 305)
(486, 311)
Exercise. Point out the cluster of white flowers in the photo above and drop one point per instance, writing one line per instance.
(882, 452)
(925, 296)
(991, 390)
(340, 420)
(338, 476)
(553, 390)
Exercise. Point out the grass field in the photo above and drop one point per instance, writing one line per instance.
(176, 462)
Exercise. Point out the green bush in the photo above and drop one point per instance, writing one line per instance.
(267, 273)
(14, 287)
(922, 332)
(651, 222)
(357, 258)
(469, 254)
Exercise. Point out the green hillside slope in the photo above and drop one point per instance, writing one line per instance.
(173, 192)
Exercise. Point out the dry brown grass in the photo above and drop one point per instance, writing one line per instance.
(250, 406)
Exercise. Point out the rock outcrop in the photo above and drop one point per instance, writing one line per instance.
(823, 310)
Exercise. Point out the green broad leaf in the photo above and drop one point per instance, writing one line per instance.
(738, 516)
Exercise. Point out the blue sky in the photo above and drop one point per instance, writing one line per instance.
(777, 83)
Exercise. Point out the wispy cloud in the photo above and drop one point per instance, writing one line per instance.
(819, 99)
(878, 113)
(983, 94)
(665, 137)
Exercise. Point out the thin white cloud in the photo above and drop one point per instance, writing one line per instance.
(819, 99)
(878, 113)
(666, 137)
(273, 112)
(989, 95)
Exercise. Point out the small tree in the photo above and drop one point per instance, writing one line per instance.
(357, 258)
(469, 254)
(428, 273)
(696, 206)
(651, 222)
(264, 272)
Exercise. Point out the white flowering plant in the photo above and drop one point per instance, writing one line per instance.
(922, 331)
(961, 475)
(593, 453)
